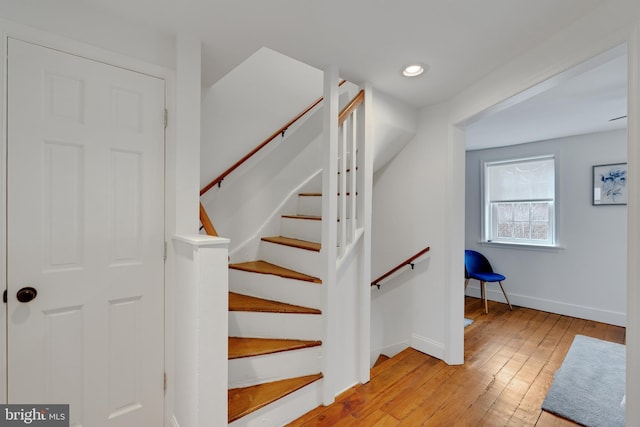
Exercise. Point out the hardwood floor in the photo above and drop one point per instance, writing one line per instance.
(510, 359)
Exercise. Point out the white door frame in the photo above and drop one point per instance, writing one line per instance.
(10, 29)
(455, 203)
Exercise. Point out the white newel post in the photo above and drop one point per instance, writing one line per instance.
(329, 234)
(201, 330)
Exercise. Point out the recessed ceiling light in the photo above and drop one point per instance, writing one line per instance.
(413, 70)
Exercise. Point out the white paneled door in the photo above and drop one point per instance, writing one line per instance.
(85, 237)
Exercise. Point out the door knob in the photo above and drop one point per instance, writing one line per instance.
(26, 294)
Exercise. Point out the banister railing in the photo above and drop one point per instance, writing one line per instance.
(207, 225)
(218, 180)
(409, 261)
(350, 107)
(206, 222)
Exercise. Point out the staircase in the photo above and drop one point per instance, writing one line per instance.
(284, 357)
(275, 322)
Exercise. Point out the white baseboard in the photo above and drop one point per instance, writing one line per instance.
(428, 346)
(393, 349)
(558, 307)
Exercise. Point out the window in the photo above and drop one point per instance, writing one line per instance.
(519, 201)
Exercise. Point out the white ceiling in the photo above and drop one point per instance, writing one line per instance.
(583, 100)
(460, 41)
(368, 40)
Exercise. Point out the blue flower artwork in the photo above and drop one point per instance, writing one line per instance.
(610, 183)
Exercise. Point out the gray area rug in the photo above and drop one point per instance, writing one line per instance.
(589, 387)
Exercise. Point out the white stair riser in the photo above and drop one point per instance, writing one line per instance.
(301, 260)
(310, 205)
(284, 410)
(268, 286)
(254, 370)
(303, 229)
(245, 324)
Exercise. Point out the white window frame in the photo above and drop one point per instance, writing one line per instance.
(489, 220)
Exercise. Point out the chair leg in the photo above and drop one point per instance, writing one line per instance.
(483, 292)
(505, 295)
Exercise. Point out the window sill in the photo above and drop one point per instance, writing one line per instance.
(522, 246)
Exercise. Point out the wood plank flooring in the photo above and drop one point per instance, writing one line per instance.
(510, 359)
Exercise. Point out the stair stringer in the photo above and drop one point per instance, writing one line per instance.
(342, 347)
(288, 364)
(248, 249)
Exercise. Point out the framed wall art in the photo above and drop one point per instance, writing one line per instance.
(610, 184)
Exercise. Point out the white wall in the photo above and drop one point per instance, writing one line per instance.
(246, 203)
(95, 26)
(607, 26)
(250, 103)
(408, 215)
(586, 277)
(394, 125)
(417, 196)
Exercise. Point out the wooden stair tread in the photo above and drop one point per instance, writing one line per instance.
(296, 243)
(243, 401)
(308, 217)
(247, 347)
(239, 302)
(263, 267)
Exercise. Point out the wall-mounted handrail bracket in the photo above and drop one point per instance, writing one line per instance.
(220, 183)
(399, 266)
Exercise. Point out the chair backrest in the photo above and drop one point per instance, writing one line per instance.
(475, 262)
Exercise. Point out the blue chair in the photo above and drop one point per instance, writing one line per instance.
(476, 266)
